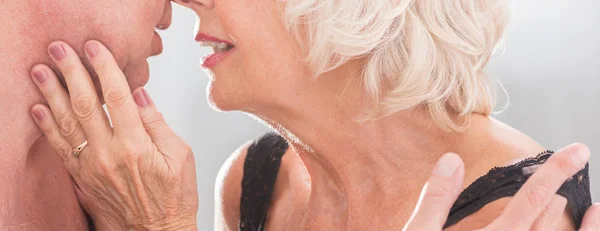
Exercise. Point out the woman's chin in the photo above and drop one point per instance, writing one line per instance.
(221, 101)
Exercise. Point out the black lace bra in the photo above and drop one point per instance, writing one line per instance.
(264, 158)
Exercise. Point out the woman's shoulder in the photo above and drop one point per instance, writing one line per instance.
(509, 161)
(485, 199)
(228, 189)
(494, 144)
(500, 162)
(267, 156)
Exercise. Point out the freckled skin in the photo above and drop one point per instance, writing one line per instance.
(36, 192)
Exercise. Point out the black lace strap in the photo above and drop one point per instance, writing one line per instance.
(506, 181)
(260, 172)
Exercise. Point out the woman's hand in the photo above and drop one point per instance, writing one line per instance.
(134, 174)
(534, 205)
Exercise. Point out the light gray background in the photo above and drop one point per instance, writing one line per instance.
(550, 68)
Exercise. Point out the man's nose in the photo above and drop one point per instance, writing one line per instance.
(165, 21)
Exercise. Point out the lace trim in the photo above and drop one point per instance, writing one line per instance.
(505, 181)
(260, 172)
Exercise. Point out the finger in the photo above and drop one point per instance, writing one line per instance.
(552, 216)
(438, 195)
(540, 188)
(88, 205)
(45, 120)
(161, 134)
(591, 219)
(123, 111)
(59, 102)
(86, 202)
(84, 101)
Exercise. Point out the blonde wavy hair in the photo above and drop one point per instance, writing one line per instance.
(419, 52)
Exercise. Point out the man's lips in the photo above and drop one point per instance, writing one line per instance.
(156, 44)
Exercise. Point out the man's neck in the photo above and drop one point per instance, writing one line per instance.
(20, 52)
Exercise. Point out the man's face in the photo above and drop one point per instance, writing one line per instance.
(126, 27)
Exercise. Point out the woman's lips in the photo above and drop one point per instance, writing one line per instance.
(205, 37)
(212, 60)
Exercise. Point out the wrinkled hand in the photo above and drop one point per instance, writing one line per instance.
(137, 174)
(535, 206)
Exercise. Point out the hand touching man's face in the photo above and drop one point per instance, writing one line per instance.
(127, 27)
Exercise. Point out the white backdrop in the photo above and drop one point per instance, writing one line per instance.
(550, 68)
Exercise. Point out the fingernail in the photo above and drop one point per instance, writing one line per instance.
(57, 51)
(39, 115)
(91, 49)
(581, 156)
(39, 75)
(141, 98)
(147, 96)
(447, 165)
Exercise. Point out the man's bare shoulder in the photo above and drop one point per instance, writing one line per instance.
(37, 191)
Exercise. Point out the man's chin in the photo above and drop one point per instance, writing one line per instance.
(136, 76)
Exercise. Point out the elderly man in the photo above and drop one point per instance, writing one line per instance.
(36, 192)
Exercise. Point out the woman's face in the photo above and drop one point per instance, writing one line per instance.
(264, 61)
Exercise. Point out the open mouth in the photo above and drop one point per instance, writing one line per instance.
(218, 47)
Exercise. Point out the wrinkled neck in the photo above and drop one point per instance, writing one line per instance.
(374, 155)
(359, 165)
(354, 163)
(357, 168)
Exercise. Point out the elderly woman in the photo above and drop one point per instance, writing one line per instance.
(367, 94)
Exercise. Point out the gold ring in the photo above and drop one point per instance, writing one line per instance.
(79, 148)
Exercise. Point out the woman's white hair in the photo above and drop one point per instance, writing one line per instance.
(419, 52)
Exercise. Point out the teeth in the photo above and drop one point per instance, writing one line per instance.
(217, 46)
(222, 45)
(222, 49)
